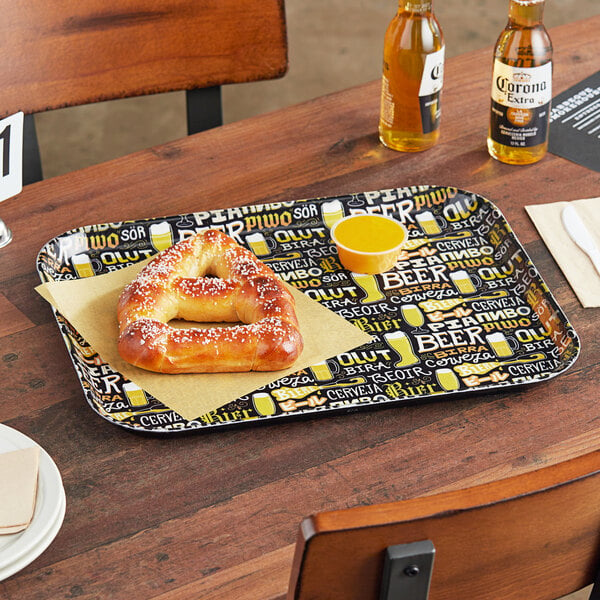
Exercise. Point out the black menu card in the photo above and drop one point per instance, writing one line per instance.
(575, 123)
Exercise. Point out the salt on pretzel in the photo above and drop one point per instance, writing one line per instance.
(174, 286)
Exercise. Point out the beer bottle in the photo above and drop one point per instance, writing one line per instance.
(521, 86)
(413, 71)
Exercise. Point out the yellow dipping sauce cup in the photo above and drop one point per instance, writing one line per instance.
(368, 243)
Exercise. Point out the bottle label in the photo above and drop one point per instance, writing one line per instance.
(387, 103)
(520, 104)
(430, 90)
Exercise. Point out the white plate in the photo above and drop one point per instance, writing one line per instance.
(19, 549)
(43, 543)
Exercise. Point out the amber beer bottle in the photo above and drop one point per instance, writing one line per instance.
(521, 86)
(413, 74)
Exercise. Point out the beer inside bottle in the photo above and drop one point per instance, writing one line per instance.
(521, 87)
(413, 71)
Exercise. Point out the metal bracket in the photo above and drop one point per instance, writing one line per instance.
(407, 571)
(32, 161)
(5, 234)
(204, 109)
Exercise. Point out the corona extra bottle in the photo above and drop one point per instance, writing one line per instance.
(413, 72)
(521, 86)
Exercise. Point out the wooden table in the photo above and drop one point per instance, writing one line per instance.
(215, 515)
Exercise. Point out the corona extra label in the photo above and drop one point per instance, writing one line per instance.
(521, 87)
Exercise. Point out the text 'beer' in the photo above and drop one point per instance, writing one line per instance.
(521, 87)
(413, 74)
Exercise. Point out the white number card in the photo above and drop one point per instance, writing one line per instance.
(11, 156)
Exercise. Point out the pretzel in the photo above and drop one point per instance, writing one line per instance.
(173, 285)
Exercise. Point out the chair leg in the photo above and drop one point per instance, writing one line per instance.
(203, 109)
(32, 163)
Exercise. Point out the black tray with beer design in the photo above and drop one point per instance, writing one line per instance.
(463, 311)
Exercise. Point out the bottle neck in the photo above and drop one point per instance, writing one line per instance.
(525, 13)
(415, 6)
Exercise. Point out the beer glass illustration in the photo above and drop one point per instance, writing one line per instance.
(447, 380)
(258, 244)
(185, 221)
(76, 243)
(324, 371)
(82, 265)
(263, 404)
(428, 223)
(135, 394)
(463, 282)
(501, 345)
(332, 212)
(400, 343)
(161, 235)
(368, 284)
(412, 315)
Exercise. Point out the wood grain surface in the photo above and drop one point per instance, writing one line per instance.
(76, 52)
(215, 515)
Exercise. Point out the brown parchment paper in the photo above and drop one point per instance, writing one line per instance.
(573, 261)
(90, 305)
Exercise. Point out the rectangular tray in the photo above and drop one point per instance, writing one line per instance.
(463, 311)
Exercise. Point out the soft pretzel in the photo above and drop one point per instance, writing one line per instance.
(173, 285)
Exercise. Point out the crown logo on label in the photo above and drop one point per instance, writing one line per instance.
(521, 77)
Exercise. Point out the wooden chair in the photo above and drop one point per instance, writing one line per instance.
(83, 51)
(530, 537)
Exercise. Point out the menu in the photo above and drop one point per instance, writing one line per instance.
(575, 123)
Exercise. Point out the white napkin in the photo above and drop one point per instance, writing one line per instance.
(574, 262)
(18, 488)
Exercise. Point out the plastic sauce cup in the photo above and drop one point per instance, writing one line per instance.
(368, 243)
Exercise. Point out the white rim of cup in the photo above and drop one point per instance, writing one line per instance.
(364, 253)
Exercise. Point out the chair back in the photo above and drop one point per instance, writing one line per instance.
(534, 536)
(72, 52)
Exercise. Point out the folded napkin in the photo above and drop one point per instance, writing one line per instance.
(18, 488)
(574, 262)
